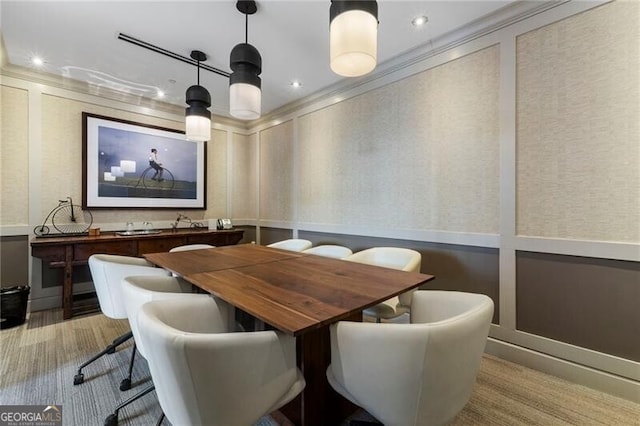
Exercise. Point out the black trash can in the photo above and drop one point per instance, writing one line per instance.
(13, 305)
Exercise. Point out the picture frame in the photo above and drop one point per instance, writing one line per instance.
(119, 166)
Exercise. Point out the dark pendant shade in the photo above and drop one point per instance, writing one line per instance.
(245, 95)
(197, 115)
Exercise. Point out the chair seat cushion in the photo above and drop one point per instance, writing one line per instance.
(388, 309)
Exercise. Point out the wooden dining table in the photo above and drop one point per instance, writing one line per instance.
(299, 294)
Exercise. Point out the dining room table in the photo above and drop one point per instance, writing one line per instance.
(299, 294)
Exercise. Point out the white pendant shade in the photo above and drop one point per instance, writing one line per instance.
(198, 128)
(245, 101)
(353, 43)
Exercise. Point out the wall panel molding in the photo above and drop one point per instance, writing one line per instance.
(598, 249)
(576, 373)
(565, 351)
(457, 238)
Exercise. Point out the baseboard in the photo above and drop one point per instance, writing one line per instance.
(44, 303)
(576, 373)
(50, 302)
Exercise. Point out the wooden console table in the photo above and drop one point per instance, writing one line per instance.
(67, 252)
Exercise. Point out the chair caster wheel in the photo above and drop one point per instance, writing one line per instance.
(78, 379)
(111, 420)
(125, 384)
(111, 351)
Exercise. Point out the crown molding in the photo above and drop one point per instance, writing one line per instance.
(65, 83)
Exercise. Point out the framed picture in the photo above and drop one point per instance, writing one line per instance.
(133, 165)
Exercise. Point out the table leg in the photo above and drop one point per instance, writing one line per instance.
(318, 404)
(67, 284)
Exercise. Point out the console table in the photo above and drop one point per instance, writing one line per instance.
(67, 252)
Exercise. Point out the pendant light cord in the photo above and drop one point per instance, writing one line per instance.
(246, 28)
(198, 73)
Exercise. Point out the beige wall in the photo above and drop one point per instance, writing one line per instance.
(244, 176)
(276, 173)
(14, 157)
(62, 161)
(420, 153)
(579, 128)
(60, 169)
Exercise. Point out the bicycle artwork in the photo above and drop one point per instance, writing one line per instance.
(66, 218)
(147, 181)
(125, 166)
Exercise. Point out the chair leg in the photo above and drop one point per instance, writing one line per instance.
(125, 384)
(79, 377)
(112, 419)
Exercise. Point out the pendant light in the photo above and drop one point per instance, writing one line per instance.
(197, 116)
(353, 36)
(245, 96)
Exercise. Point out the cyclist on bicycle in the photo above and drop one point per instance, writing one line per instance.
(157, 165)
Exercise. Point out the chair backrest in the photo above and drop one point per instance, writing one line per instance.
(400, 258)
(138, 290)
(191, 247)
(205, 375)
(330, 250)
(418, 373)
(294, 244)
(107, 272)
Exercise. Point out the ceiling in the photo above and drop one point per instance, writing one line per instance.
(78, 40)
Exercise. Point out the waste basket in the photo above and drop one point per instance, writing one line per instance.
(13, 305)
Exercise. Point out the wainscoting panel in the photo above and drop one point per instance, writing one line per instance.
(14, 260)
(273, 235)
(587, 302)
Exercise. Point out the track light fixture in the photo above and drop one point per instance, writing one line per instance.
(353, 36)
(245, 96)
(197, 116)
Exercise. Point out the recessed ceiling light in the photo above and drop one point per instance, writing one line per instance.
(295, 84)
(160, 94)
(419, 21)
(37, 61)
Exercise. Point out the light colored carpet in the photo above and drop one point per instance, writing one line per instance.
(39, 359)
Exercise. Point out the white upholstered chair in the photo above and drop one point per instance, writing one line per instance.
(294, 244)
(330, 250)
(390, 257)
(107, 271)
(205, 375)
(191, 247)
(137, 291)
(421, 373)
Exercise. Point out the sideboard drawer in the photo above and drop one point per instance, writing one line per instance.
(218, 239)
(123, 248)
(49, 253)
(157, 245)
